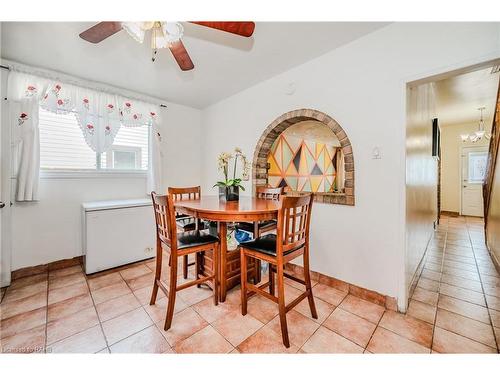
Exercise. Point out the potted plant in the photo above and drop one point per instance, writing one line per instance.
(229, 189)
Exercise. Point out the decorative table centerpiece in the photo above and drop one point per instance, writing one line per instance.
(229, 189)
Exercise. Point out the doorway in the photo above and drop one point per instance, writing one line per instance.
(473, 172)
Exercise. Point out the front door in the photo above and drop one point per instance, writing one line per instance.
(473, 173)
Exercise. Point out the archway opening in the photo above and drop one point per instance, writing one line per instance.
(306, 151)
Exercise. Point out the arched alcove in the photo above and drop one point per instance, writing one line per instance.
(260, 167)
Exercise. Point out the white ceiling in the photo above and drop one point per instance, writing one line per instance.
(224, 63)
(458, 98)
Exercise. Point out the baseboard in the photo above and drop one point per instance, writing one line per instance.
(36, 270)
(390, 303)
(450, 213)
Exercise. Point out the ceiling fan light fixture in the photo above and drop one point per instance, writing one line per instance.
(135, 30)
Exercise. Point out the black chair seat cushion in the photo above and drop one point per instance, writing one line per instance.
(265, 244)
(249, 226)
(188, 223)
(194, 238)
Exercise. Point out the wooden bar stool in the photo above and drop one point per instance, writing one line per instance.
(186, 223)
(260, 227)
(180, 244)
(291, 241)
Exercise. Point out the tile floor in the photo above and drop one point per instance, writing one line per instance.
(455, 308)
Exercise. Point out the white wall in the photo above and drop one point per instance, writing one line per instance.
(363, 86)
(50, 229)
(451, 162)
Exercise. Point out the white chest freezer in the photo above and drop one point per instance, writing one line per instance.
(117, 233)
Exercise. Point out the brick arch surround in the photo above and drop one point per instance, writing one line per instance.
(263, 147)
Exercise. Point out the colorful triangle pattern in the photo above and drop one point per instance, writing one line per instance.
(301, 165)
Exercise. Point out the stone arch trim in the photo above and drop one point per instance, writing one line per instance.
(275, 128)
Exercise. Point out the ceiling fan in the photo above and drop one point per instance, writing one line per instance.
(163, 35)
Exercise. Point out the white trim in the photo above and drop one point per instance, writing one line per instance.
(71, 174)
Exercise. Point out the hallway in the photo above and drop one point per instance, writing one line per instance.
(459, 289)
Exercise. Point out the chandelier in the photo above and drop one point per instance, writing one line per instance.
(163, 34)
(480, 133)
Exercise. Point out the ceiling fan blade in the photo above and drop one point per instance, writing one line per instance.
(101, 31)
(181, 55)
(239, 28)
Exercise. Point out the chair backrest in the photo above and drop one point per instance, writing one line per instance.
(166, 229)
(185, 193)
(294, 218)
(263, 192)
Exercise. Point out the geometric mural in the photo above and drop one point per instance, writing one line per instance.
(302, 165)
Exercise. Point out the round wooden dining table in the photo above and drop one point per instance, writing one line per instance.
(213, 209)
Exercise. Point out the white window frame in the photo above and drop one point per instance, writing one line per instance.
(98, 172)
(110, 156)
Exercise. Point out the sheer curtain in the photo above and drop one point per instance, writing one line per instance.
(100, 116)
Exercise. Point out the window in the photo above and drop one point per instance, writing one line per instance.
(477, 167)
(63, 147)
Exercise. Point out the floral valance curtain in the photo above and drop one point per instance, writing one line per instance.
(100, 116)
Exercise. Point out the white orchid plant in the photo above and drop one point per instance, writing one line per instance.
(223, 162)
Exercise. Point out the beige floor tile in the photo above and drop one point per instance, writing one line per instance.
(134, 272)
(9, 309)
(27, 281)
(385, 341)
(265, 341)
(422, 311)
(23, 322)
(29, 341)
(149, 340)
(463, 294)
(467, 309)
(495, 317)
(88, 341)
(144, 294)
(449, 342)
(369, 311)
(63, 281)
(125, 325)
(323, 309)
(408, 327)
(262, 308)
(184, 324)
(428, 284)
(65, 271)
(109, 292)
(328, 294)
(117, 306)
(101, 281)
(236, 328)
(210, 312)
(326, 341)
(69, 306)
(350, 326)
(158, 311)
(15, 294)
(493, 302)
(462, 283)
(141, 281)
(70, 325)
(193, 295)
(67, 292)
(207, 340)
(300, 328)
(425, 296)
(467, 327)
